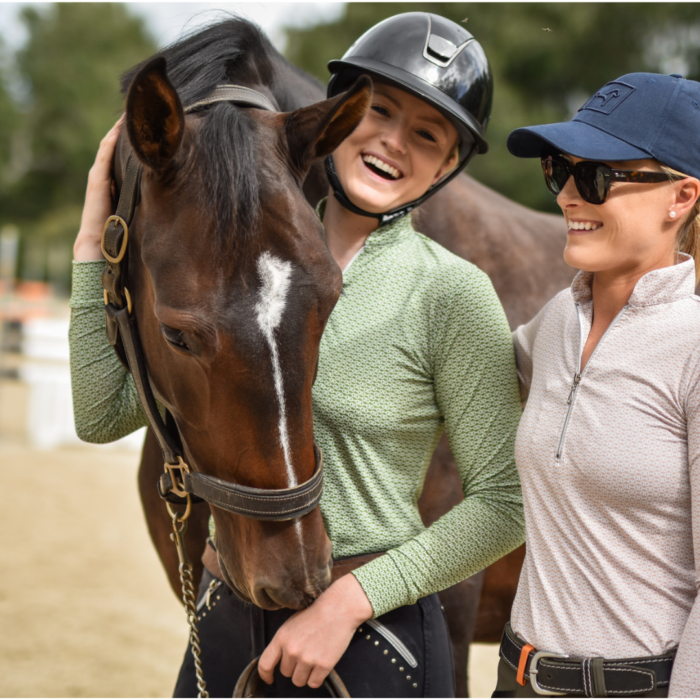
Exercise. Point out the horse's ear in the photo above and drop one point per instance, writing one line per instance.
(316, 131)
(155, 120)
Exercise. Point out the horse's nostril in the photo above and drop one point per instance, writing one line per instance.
(295, 597)
(266, 598)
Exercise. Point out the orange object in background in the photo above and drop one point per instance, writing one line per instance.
(28, 300)
(33, 290)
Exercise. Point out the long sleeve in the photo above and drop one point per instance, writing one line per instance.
(476, 388)
(105, 402)
(523, 341)
(685, 679)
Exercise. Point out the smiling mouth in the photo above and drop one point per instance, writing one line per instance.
(379, 167)
(584, 225)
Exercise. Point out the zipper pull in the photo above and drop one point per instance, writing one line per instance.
(577, 379)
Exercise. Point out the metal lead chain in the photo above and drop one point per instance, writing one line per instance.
(188, 596)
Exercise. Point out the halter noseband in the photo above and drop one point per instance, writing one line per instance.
(180, 485)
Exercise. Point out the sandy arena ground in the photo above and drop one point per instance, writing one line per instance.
(85, 609)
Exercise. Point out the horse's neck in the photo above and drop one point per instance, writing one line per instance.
(293, 88)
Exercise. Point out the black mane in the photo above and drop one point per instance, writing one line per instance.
(233, 51)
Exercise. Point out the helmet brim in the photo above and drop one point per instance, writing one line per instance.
(418, 87)
(574, 138)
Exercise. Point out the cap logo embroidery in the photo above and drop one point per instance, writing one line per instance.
(609, 97)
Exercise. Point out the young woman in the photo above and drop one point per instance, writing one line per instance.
(418, 342)
(608, 449)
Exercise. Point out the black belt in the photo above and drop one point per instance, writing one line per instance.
(552, 674)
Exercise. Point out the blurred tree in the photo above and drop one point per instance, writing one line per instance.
(71, 65)
(547, 59)
(9, 120)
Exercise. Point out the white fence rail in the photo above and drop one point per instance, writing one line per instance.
(47, 372)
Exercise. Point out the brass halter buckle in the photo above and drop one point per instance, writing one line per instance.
(175, 471)
(122, 251)
(129, 305)
(178, 488)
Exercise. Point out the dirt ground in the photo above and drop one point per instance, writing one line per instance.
(85, 609)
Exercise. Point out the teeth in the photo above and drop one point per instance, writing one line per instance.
(382, 166)
(584, 225)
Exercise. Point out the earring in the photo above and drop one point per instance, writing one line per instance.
(673, 214)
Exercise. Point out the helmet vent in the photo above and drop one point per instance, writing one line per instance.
(442, 51)
(441, 48)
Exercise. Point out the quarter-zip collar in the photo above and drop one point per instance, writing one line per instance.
(656, 287)
(390, 234)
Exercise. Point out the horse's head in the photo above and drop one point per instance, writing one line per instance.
(232, 284)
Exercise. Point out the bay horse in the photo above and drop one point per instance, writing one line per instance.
(221, 188)
(232, 284)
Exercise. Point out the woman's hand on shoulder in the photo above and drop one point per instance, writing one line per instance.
(98, 199)
(310, 644)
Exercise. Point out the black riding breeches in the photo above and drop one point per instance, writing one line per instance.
(405, 653)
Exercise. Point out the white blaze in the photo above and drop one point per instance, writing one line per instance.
(275, 274)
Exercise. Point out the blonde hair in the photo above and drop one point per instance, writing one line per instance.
(688, 239)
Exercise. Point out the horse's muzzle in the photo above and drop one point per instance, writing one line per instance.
(269, 596)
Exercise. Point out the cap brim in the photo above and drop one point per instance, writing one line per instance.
(574, 138)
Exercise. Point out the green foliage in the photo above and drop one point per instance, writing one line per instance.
(540, 76)
(70, 68)
(9, 121)
(72, 62)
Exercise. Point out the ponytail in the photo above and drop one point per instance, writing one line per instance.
(688, 239)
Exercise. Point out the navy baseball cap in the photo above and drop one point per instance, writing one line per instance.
(637, 116)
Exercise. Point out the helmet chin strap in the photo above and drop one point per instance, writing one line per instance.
(340, 195)
(393, 214)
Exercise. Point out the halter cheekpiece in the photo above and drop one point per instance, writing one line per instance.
(179, 485)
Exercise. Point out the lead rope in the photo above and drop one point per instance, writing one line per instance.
(188, 597)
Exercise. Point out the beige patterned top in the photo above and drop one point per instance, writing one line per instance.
(611, 478)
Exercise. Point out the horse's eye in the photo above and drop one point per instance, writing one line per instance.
(174, 337)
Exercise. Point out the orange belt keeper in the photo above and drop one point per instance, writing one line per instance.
(524, 653)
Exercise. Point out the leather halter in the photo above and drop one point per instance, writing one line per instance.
(179, 484)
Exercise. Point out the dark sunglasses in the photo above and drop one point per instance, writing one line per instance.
(592, 179)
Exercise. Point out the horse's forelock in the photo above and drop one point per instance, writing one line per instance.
(231, 51)
(227, 51)
(226, 155)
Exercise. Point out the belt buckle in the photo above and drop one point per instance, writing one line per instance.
(533, 671)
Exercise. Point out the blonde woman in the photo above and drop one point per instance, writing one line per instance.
(608, 449)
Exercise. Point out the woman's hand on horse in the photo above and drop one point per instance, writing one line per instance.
(98, 199)
(310, 644)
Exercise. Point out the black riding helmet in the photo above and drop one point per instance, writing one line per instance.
(437, 61)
